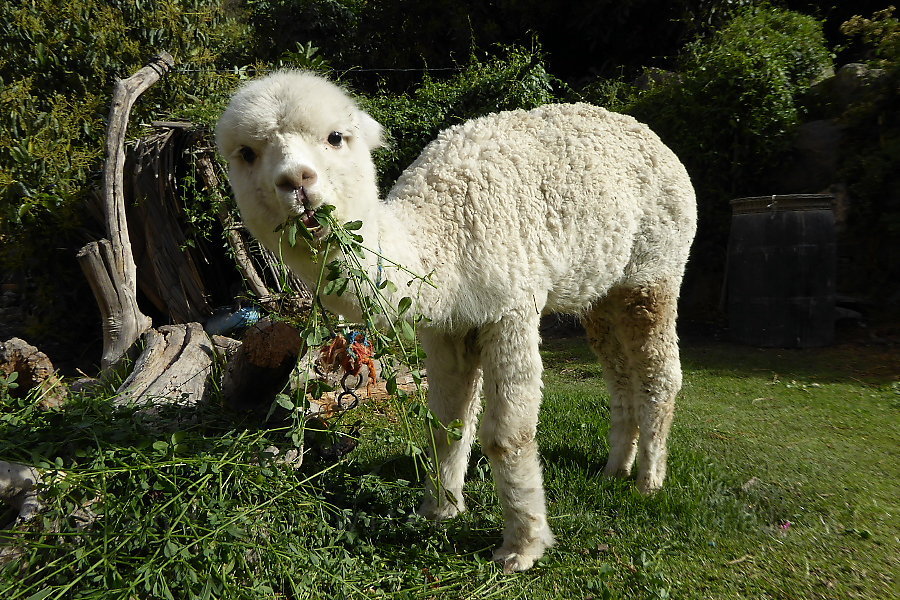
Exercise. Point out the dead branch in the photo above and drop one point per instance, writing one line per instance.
(110, 267)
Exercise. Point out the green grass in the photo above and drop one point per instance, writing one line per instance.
(783, 484)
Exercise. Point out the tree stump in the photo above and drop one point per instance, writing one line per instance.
(35, 371)
(262, 366)
(109, 264)
(173, 368)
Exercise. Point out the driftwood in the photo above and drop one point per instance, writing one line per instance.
(109, 264)
(18, 488)
(173, 368)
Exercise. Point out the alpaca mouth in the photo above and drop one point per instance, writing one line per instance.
(306, 214)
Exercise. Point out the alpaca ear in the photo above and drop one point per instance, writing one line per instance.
(370, 130)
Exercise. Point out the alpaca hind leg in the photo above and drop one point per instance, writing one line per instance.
(454, 389)
(512, 387)
(623, 429)
(645, 327)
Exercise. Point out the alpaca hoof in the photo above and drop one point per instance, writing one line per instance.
(513, 562)
(649, 485)
(520, 553)
(613, 472)
(435, 512)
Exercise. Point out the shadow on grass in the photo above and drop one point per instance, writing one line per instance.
(842, 363)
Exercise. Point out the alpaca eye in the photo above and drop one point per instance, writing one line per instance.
(247, 154)
(336, 138)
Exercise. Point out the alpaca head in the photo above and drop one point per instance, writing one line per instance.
(295, 141)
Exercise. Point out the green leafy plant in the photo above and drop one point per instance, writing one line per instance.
(58, 61)
(728, 109)
(8, 383)
(870, 153)
(880, 34)
(389, 328)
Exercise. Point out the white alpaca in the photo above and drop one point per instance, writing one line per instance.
(565, 208)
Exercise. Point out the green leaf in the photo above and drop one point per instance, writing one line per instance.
(404, 305)
(353, 225)
(235, 531)
(388, 285)
(406, 330)
(292, 234)
(336, 287)
(454, 430)
(284, 402)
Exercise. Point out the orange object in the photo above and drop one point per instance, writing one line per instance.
(351, 357)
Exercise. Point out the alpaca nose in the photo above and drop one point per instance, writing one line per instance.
(294, 179)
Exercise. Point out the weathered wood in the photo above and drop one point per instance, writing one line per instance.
(173, 368)
(18, 488)
(121, 319)
(110, 267)
(170, 277)
(125, 94)
(300, 299)
(254, 282)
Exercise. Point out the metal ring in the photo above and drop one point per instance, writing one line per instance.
(340, 397)
(346, 387)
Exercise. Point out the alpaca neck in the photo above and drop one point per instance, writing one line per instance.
(389, 254)
(394, 255)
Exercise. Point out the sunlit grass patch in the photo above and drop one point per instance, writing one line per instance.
(782, 484)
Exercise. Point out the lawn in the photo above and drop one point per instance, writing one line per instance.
(783, 484)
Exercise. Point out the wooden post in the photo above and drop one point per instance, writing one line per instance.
(109, 264)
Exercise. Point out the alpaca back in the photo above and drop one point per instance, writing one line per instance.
(553, 206)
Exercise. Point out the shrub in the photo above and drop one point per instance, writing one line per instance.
(58, 60)
(729, 109)
(870, 157)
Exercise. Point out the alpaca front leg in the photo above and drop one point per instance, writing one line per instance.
(512, 382)
(454, 390)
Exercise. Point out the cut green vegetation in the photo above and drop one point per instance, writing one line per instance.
(783, 484)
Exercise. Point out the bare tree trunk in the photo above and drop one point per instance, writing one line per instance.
(109, 264)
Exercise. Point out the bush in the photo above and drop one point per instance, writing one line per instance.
(58, 60)
(870, 157)
(729, 109)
